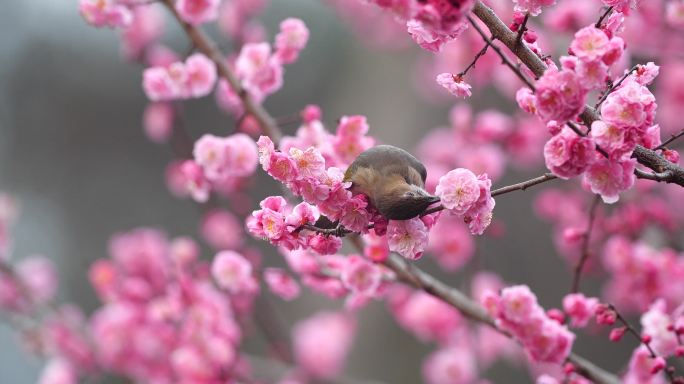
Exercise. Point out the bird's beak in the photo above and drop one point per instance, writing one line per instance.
(430, 198)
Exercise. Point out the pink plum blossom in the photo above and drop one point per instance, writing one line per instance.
(197, 11)
(186, 179)
(180, 80)
(38, 275)
(674, 13)
(105, 13)
(458, 190)
(645, 74)
(361, 276)
(407, 237)
(592, 73)
(560, 96)
(657, 324)
(526, 100)
(454, 84)
(233, 272)
(146, 27)
(425, 316)
(58, 371)
(610, 177)
(201, 72)
(291, 39)
(631, 105)
(451, 365)
(221, 229)
(516, 310)
(158, 121)
(579, 308)
(534, 7)
(568, 154)
(590, 43)
(281, 284)
(321, 343)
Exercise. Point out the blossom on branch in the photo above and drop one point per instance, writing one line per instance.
(454, 84)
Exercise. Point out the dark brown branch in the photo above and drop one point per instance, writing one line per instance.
(501, 32)
(584, 256)
(205, 45)
(603, 17)
(524, 185)
(469, 308)
(477, 57)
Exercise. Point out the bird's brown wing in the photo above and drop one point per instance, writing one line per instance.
(389, 159)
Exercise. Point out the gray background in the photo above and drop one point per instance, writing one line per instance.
(73, 151)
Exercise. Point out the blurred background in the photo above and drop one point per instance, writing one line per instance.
(73, 151)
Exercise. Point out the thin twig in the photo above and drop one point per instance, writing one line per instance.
(477, 57)
(524, 185)
(585, 245)
(631, 330)
(603, 16)
(668, 141)
(614, 86)
(522, 28)
(501, 54)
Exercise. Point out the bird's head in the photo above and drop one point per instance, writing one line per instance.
(403, 201)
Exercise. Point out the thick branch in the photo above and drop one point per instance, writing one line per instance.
(205, 45)
(469, 308)
(501, 32)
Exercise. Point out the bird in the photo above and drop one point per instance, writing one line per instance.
(393, 180)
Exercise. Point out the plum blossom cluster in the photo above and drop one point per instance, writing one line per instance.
(516, 311)
(431, 23)
(259, 66)
(627, 112)
(468, 196)
(640, 274)
(353, 277)
(533, 7)
(106, 13)
(484, 142)
(569, 210)
(197, 11)
(193, 78)
(285, 226)
(220, 164)
(156, 291)
(238, 20)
